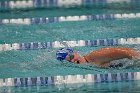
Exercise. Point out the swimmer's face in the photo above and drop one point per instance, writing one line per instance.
(75, 58)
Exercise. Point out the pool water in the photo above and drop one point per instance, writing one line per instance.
(118, 87)
(42, 62)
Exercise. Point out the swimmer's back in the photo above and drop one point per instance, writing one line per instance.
(109, 54)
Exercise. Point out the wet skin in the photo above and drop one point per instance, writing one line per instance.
(102, 57)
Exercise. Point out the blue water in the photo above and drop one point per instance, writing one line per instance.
(85, 30)
(42, 62)
(32, 63)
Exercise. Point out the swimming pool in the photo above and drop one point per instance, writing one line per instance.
(29, 38)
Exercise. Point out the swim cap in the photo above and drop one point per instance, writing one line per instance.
(62, 53)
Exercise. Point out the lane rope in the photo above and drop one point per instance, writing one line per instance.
(79, 43)
(57, 3)
(70, 79)
(46, 20)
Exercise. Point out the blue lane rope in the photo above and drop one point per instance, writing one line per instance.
(46, 20)
(92, 78)
(79, 43)
(57, 3)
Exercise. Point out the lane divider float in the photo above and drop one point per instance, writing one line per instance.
(57, 3)
(29, 21)
(79, 43)
(70, 79)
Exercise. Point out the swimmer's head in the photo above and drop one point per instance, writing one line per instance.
(69, 55)
(63, 52)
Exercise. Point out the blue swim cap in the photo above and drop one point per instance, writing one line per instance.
(62, 53)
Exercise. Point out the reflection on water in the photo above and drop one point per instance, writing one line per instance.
(123, 87)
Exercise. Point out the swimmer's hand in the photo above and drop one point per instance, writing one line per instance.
(116, 65)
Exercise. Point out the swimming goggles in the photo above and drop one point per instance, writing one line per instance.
(71, 56)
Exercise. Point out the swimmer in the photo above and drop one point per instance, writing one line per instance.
(100, 58)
